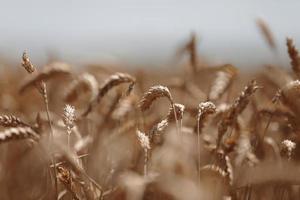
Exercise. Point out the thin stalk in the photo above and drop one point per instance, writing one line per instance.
(198, 147)
(145, 162)
(46, 102)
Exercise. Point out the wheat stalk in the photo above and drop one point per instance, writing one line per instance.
(42, 88)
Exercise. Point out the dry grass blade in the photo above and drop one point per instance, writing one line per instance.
(11, 121)
(50, 71)
(152, 94)
(267, 33)
(222, 82)
(18, 133)
(294, 56)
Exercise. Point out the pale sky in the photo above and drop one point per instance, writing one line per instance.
(140, 31)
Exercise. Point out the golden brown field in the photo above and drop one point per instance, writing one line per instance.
(198, 132)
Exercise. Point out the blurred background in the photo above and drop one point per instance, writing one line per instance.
(144, 33)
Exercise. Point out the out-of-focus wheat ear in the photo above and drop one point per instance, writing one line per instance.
(18, 133)
(11, 121)
(49, 72)
(224, 79)
(113, 81)
(294, 56)
(235, 109)
(85, 82)
(27, 64)
(266, 33)
(152, 94)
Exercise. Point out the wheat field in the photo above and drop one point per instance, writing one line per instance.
(198, 132)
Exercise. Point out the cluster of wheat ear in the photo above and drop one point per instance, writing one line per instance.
(98, 133)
